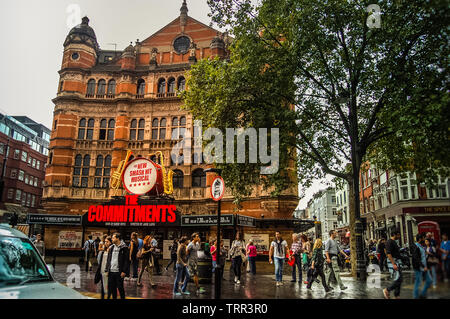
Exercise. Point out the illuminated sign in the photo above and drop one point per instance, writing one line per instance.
(139, 176)
(131, 214)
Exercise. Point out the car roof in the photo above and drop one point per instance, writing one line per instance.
(7, 230)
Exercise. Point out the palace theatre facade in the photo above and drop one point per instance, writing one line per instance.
(109, 102)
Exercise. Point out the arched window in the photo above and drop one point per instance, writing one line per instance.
(106, 130)
(81, 171)
(102, 171)
(171, 86)
(111, 88)
(141, 87)
(101, 87)
(178, 179)
(162, 86)
(90, 88)
(137, 131)
(198, 178)
(181, 83)
(178, 128)
(162, 129)
(155, 124)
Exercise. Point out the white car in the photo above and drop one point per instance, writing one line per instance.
(23, 272)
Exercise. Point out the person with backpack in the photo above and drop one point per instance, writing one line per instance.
(419, 263)
(317, 263)
(394, 265)
(173, 255)
(278, 249)
(89, 252)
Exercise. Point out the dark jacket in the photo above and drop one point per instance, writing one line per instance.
(124, 259)
(318, 258)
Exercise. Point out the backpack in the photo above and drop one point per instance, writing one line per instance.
(91, 245)
(416, 257)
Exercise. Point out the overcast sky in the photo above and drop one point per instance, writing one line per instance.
(33, 33)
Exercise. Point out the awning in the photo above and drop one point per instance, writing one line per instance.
(23, 228)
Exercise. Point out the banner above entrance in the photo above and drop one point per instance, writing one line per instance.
(207, 220)
(44, 219)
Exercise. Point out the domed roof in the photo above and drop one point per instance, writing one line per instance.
(82, 33)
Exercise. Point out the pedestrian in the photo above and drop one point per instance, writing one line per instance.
(134, 246)
(147, 261)
(247, 261)
(331, 251)
(89, 252)
(278, 249)
(102, 259)
(317, 264)
(222, 259)
(182, 259)
(297, 251)
(117, 266)
(173, 255)
(97, 245)
(237, 252)
(394, 264)
(192, 251)
(101, 245)
(432, 260)
(431, 239)
(381, 250)
(252, 253)
(213, 253)
(156, 252)
(445, 251)
(40, 245)
(307, 252)
(419, 263)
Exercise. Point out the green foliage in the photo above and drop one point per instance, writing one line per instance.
(292, 61)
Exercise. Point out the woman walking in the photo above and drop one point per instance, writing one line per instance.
(432, 260)
(102, 258)
(251, 253)
(317, 263)
(213, 253)
(237, 251)
(134, 244)
(146, 255)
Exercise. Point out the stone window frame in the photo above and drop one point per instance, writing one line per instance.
(80, 173)
(102, 171)
(137, 129)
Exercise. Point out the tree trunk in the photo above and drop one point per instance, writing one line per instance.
(352, 228)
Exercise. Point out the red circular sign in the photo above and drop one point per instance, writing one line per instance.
(217, 188)
(139, 176)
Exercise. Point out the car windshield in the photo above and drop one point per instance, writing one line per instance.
(20, 262)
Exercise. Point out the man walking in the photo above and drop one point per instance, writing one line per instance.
(156, 252)
(117, 266)
(394, 265)
(445, 251)
(331, 252)
(89, 252)
(419, 263)
(278, 251)
(182, 260)
(381, 251)
(297, 250)
(192, 250)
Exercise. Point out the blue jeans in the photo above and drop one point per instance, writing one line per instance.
(418, 282)
(433, 274)
(252, 263)
(214, 265)
(278, 268)
(180, 270)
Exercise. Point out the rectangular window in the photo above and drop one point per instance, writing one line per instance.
(110, 135)
(442, 191)
(24, 156)
(27, 179)
(102, 134)
(97, 182)
(18, 194)
(413, 192)
(21, 175)
(33, 200)
(24, 199)
(33, 164)
(90, 134)
(28, 200)
(16, 154)
(81, 133)
(333, 199)
(29, 160)
(76, 181)
(38, 165)
(154, 134)
(105, 182)
(13, 173)
(140, 135)
(405, 192)
(132, 135)
(36, 180)
(10, 193)
(84, 182)
(2, 147)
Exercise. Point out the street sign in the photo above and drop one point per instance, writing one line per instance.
(246, 221)
(139, 176)
(217, 188)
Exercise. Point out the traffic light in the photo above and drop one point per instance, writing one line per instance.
(13, 220)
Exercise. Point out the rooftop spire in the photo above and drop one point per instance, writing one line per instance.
(184, 9)
(183, 15)
(85, 20)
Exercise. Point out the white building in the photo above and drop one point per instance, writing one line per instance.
(323, 206)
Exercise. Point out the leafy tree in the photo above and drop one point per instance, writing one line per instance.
(338, 88)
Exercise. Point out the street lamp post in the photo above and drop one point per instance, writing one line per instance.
(217, 272)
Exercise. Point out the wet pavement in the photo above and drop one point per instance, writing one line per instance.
(259, 286)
